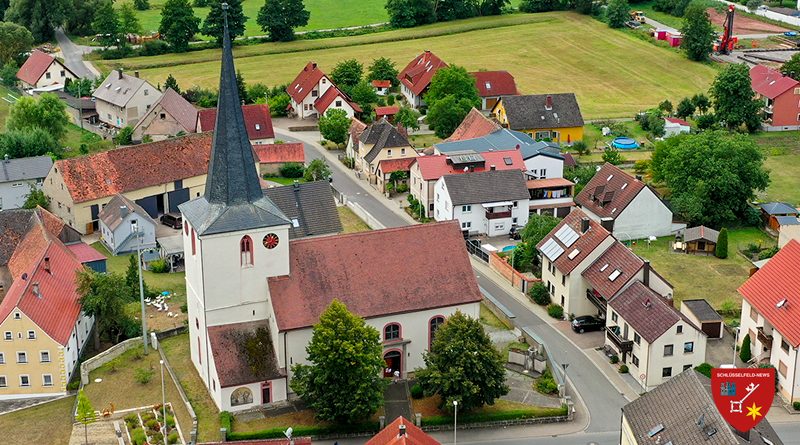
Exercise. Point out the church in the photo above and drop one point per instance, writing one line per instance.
(253, 295)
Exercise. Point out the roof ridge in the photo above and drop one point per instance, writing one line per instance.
(368, 232)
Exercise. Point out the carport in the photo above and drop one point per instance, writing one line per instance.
(704, 316)
(172, 250)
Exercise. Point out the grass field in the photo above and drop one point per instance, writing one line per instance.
(5, 107)
(783, 162)
(46, 424)
(614, 74)
(351, 223)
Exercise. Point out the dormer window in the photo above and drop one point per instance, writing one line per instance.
(258, 127)
(246, 251)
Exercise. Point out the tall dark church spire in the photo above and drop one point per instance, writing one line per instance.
(232, 177)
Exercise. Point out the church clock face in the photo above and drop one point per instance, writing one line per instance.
(270, 241)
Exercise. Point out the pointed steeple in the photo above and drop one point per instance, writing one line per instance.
(232, 176)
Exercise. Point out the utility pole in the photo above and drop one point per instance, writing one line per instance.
(455, 421)
(141, 284)
(163, 403)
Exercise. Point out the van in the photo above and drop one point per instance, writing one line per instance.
(174, 220)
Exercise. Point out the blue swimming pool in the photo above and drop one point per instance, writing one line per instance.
(625, 143)
(509, 248)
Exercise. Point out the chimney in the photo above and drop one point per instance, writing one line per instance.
(402, 431)
(584, 224)
(35, 290)
(119, 73)
(47, 264)
(492, 167)
(646, 273)
(608, 224)
(548, 102)
(123, 211)
(136, 74)
(638, 177)
(427, 51)
(313, 65)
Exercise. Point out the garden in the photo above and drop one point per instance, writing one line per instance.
(149, 426)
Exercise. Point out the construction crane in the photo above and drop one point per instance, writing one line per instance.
(726, 42)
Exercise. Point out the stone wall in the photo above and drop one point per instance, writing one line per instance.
(502, 267)
(106, 356)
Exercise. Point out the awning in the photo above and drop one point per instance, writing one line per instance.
(171, 245)
(496, 204)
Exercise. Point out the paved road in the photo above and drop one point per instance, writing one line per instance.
(660, 25)
(73, 55)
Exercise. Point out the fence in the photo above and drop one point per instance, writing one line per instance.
(474, 248)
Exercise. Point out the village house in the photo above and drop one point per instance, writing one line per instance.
(309, 206)
(121, 220)
(19, 176)
(172, 115)
(386, 113)
(379, 142)
(780, 96)
(402, 432)
(701, 314)
(674, 126)
(272, 157)
(492, 86)
(257, 120)
(43, 71)
(381, 87)
(545, 117)
(416, 77)
(78, 109)
(770, 310)
(313, 93)
(487, 203)
(624, 205)
(121, 100)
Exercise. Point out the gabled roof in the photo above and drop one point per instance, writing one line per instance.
(474, 125)
(119, 88)
(702, 310)
(418, 73)
(237, 362)
(179, 108)
(530, 112)
(309, 206)
(386, 111)
(787, 220)
(355, 271)
(612, 270)
(503, 139)
(356, 129)
(645, 311)
(777, 281)
(112, 217)
(35, 66)
(330, 95)
(392, 165)
(778, 208)
(280, 153)
(495, 83)
(22, 169)
(411, 434)
(769, 82)
(381, 83)
(675, 120)
(435, 166)
(305, 81)
(569, 160)
(383, 135)
(700, 233)
(86, 253)
(486, 186)
(15, 223)
(257, 120)
(135, 167)
(560, 242)
(678, 405)
(609, 191)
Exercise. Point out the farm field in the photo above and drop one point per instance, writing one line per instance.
(782, 150)
(613, 73)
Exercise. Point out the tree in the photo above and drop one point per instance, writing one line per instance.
(171, 82)
(141, 5)
(27, 142)
(734, 100)
(41, 17)
(347, 73)
(539, 294)
(445, 115)
(278, 18)
(334, 125)
(8, 74)
(665, 107)
(685, 108)
(452, 81)
(580, 175)
(410, 13)
(317, 170)
(408, 118)
(200, 3)
(36, 198)
(618, 13)
(257, 91)
(124, 136)
(701, 102)
(585, 6)
(343, 382)
(539, 5)
(241, 85)
(538, 227)
(744, 353)
(128, 23)
(46, 112)
(85, 414)
(612, 156)
(456, 9)
(698, 33)
(14, 40)
(753, 5)
(721, 250)
(493, 7)
(791, 67)
(178, 24)
(383, 69)
(712, 175)
(278, 104)
(104, 296)
(106, 23)
(3, 7)
(463, 365)
(78, 87)
(214, 24)
(364, 95)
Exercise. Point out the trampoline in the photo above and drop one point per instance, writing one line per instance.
(624, 143)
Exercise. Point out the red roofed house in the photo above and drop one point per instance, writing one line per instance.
(770, 314)
(416, 77)
(42, 70)
(170, 116)
(381, 86)
(386, 112)
(402, 432)
(380, 142)
(311, 95)
(492, 85)
(257, 119)
(474, 125)
(674, 126)
(272, 157)
(781, 96)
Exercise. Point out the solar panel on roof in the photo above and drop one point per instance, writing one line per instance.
(552, 250)
(566, 235)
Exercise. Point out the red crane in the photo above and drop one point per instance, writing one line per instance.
(726, 42)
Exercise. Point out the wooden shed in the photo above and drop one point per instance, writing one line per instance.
(704, 316)
(770, 211)
(700, 240)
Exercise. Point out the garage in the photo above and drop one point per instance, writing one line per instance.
(176, 198)
(703, 315)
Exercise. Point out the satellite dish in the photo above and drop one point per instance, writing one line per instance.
(288, 433)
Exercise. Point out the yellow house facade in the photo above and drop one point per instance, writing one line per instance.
(549, 117)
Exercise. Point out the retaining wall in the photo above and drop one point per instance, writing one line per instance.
(106, 356)
(521, 282)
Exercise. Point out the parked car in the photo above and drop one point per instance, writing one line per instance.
(587, 323)
(515, 232)
(174, 220)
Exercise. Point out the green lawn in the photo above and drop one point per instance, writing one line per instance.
(421, 141)
(46, 424)
(283, 181)
(77, 136)
(351, 223)
(5, 107)
(782, 150)
(614, 74)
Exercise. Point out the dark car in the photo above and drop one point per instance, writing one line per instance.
(587, 323)
(174, 220)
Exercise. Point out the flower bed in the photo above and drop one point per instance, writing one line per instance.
(147, 427)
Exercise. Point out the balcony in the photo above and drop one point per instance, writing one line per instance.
(764, 339)
(596, 300)
(613, 334)
(498, 215)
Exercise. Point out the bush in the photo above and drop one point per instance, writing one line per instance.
(744, 354)
(539, 294)
(612, 156)
(159, 266)
(555, 310)
(147, 417)
(143, 376)
(226, 420)
(416, 391)
(390, 100)
(721, 251)
(138, 437)
(402, 188)
(614, 359)
(152, 425)
(172, 438)
(292, 170)
(154, 48)
(796, 406)
(546, 384)
(132, 420)
(156, 437)
(704, 368)
(74, 385)
(116, 53)
(766, 254)
(641, 166)
(623, 369)
(581, 148)
(349, 162)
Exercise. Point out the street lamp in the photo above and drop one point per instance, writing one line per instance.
(163, 404)
(135, 229)
(455, 421)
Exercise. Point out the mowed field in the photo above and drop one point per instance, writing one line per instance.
(613, 73)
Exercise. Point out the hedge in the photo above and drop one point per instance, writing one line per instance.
(515, 414)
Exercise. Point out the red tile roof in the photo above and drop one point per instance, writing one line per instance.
(418, 73)
(569, 160)
(381, 83)
(35, 66)
(778, 280)
(132, 168)
(393, 165)
(612, 185)
(330, 95)
(646, 311)
(435, 166)
(585, 244)
(391, 435)
(386, 111)
(85, 253)
(280, 153)
(357, 270)
(769, 82)
(617, 260)
(675, 120)
(356, 128)
(474, 125)
(549, 182)
(308, 78)
(257, 120)
(495, 83)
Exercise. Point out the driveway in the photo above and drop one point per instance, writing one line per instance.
(587, 340)
(73, 55)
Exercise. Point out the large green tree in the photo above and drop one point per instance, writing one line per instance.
(539, 5)
(364, 95)
(106, 23)
(711, 176)
(178, 24)
(104, 296)
(408, 118)
(452, 81)
(343, 383)
(278, 18)
(698, 33)
(128, 22)
(791, 67)
(334, 125)
(14, 40)
(618, 13)
(410, 13)
(735, 104)
(535, 230)
(28, 142)
(445, 115)
(46, 112)
(463, 365)
(493, 7)
(456, 9)
(36, 198)
(347, 73)
(80, 17)
(214, 23)
(317, 170)
(685, 108)
(41, 17)
(383, 68)
(171, 82)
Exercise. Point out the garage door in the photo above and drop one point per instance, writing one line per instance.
(712, 329)
(177, 198)
(150, 205)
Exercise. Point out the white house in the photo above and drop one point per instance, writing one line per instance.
(120, 222)
(121, 100)
(488, 202)
(416, 77)
(19, 176)
(770, 314)
(674, 126)
(313, 93)
(381, 87)
(44, 71)
(625, 205)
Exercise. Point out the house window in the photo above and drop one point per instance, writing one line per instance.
(543, 173)
(680, 329)
(197, 322)
(784, 346)
(63, 73)
(391, 332)
(466, 225)
(402, 151)
(515, 203)
(16, 316)
(563, 280)
(688, 347)
(146, 92)
(47, 75)
(7, 335)
(434, 324)
(44, 356)
(666, 372)
(258, 127)
(199, 352)
(2, 358)
(163, 116)
(753, 313)
(635, 360)
(31, 335)
(246, 251)
(614, 316)
(194, 248)
(338, 103)
(24, 380)
(668, 350)
(637, 338)
(47, 380)
(22, 357)
(466, 208)
(388, 152)
(514, 220)
(542, 135)
(3, 381)
(782, 368)
(314, 93)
